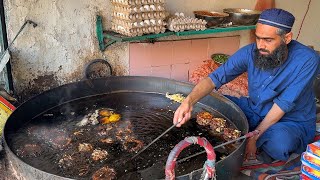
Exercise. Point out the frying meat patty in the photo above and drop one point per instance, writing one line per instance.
(231, 134)
(204, 118)
(99, 154)
(217, 125)
(104, 173)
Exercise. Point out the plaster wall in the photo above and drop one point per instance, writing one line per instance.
(310, 28)
(56, 52)
(58, 49)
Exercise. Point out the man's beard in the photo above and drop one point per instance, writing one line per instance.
(272, 60)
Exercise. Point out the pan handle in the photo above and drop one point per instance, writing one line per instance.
(209, 169)
(98, 68)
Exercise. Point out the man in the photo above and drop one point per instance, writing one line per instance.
(281, 103)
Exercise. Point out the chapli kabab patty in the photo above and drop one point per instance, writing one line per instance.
(204, 118)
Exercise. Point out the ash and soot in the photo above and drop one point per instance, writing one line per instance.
(95, 137)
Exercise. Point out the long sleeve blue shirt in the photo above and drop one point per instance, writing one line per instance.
(290, 86)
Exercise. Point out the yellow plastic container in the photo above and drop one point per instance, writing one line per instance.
(6, 108)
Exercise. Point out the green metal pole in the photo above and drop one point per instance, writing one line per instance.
(100, 33)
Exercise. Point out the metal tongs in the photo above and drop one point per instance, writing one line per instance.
(159, 166)
(248, 135)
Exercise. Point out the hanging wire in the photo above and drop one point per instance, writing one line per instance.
(304, 17)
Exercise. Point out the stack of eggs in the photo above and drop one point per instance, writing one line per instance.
(179, 22)
(138, 17)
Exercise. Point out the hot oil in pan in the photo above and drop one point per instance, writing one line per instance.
(53, 142)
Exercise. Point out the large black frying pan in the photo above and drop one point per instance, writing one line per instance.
(140, 99)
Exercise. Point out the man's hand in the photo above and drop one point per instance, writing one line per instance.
(183, 113)
(273, 116)
(251, 149)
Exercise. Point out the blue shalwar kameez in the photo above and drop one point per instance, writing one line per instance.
(290, 86)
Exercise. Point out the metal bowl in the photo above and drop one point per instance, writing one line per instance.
(213, 18)
(242, 16)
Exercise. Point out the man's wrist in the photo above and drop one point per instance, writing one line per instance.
(190, 100)
(257, 134)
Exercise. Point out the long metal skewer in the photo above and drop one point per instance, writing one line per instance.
(146, 147)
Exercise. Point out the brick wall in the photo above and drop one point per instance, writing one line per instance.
(176, 59)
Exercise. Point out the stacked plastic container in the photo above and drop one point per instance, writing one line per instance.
(310, 168)
(138, 17)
